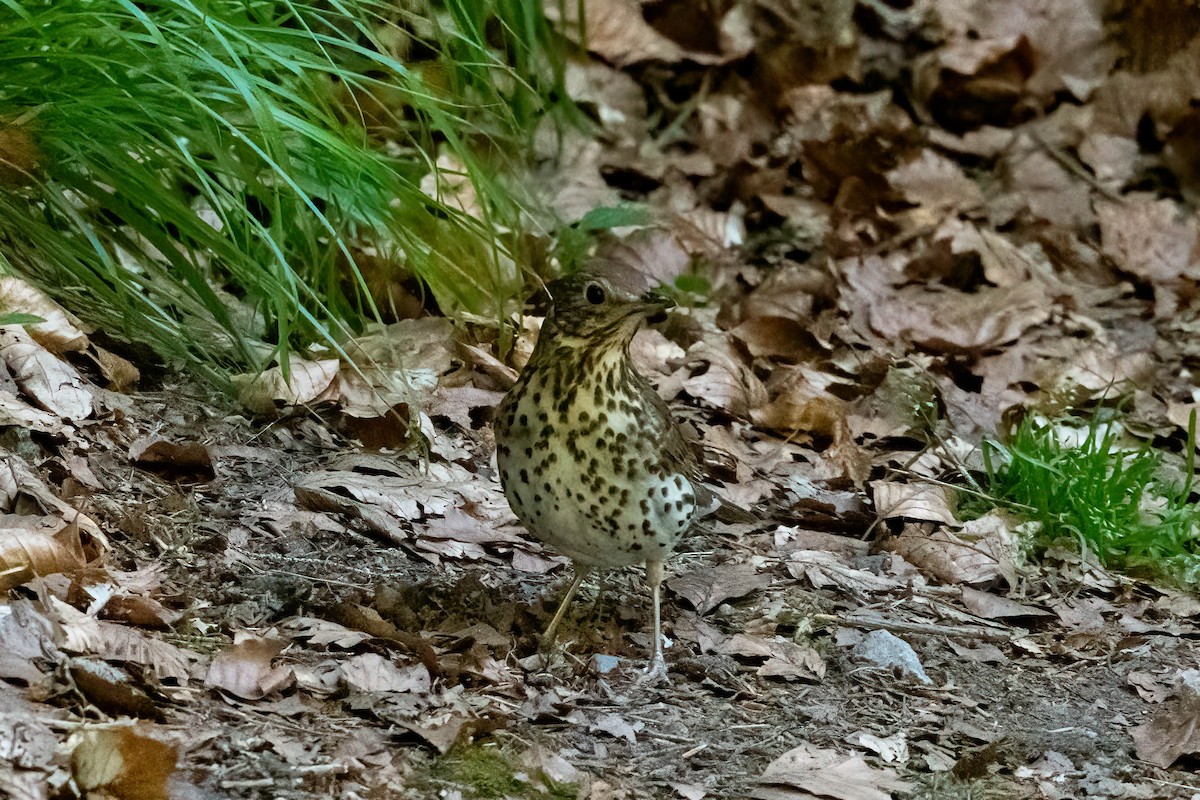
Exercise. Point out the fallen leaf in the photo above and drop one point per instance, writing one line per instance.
(244, 668)
(817, 772)
(371, 672)
(44, 378)
(916, 500)
(123, 762)
(706, 589)
(1172, 732)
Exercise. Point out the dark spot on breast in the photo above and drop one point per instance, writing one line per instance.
(546, 487)
(601, 444)
(584, 416)
(503, 450)
(537, 398)
(547, 431)
(537, 498)
(646, 527)
(679, 505)
(524, 420)
(679, 481)
(543, 416)
(635, 546)
(644, 506)
(603, 418)
(524, 476)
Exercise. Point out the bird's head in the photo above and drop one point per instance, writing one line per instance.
(589, 307)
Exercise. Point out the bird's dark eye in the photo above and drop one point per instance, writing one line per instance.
(594, 294)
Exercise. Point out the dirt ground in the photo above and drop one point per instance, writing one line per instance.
(893, 229)
(1035, 703)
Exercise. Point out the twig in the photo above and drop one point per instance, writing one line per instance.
(956, 631)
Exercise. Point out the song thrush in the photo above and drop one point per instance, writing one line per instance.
(589, 457)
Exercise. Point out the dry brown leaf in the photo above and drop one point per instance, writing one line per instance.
(708, 588)
(815, 772)
(617, 31)
(946, 556)
(86, 635)
(244, 668)
(19, 485)
(823, 570)
(1153, 240)
(991, 606)
(172, 459)
(792, 661)
(1173, 731)
(955, 322)
(936, 184)
(29, 635)
(726, 384)
(1039, 182)
(14, 411)
(111, 689)
(32, 546)
(123, 763)
(47, 380)
(122, 375)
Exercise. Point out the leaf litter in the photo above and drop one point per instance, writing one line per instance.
(910, 224)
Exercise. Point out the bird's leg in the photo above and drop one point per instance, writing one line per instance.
(656, 670)
(581, 572)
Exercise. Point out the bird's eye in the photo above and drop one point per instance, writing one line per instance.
(594, 294)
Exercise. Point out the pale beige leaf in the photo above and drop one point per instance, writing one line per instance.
(928, 502)
(60, 332)
(830, 774)
(371, 672)
(44, 378)
(269, 390)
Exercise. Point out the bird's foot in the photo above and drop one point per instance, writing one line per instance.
(654, 675)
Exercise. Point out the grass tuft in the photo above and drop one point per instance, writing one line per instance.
(204, 175)
(1090, 487)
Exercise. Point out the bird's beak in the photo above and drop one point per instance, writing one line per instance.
(655, 306)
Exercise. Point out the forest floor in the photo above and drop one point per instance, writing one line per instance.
(895, 230)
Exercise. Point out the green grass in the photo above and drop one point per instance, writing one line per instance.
(1090, 487)
(202, 175)
(484, 771)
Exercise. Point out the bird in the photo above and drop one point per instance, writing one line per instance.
(588, 455)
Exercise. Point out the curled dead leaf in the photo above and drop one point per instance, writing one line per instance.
(244, 669)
